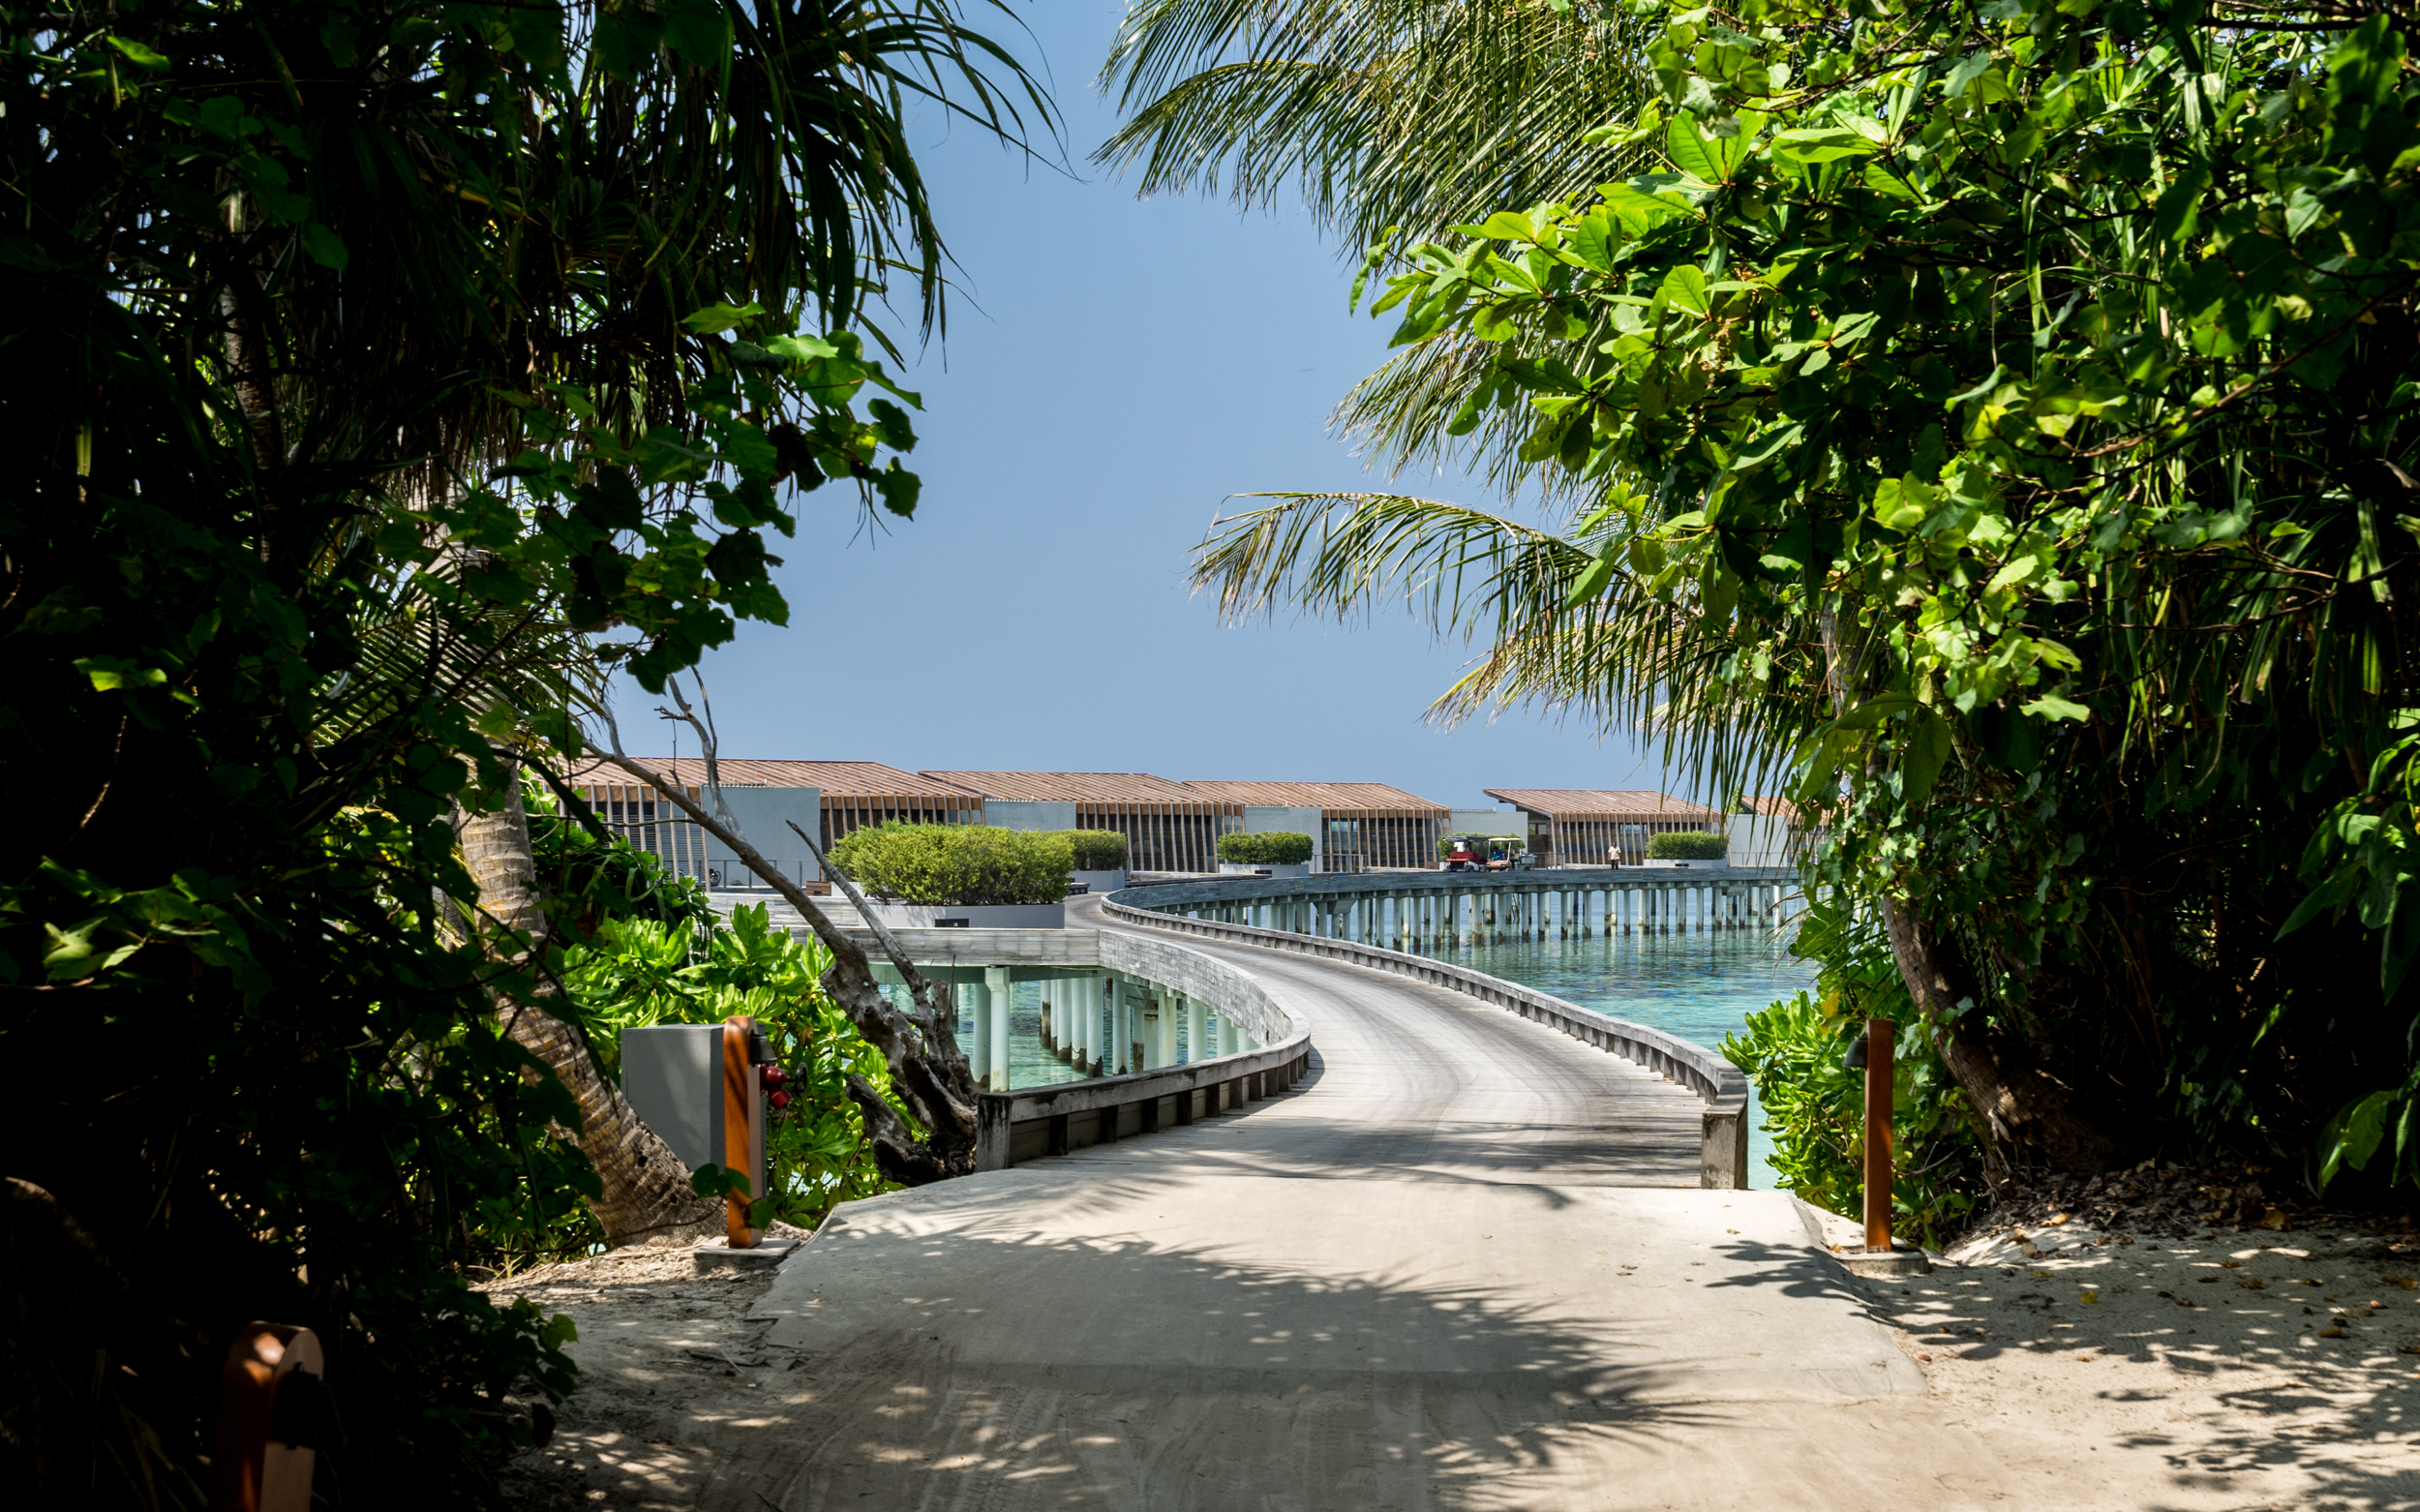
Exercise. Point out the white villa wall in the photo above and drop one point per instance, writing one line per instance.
(1759, 840)
(1268, 819)
(764, 815)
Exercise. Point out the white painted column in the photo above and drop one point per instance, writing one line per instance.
(1071, 1017)
(976, 1039)
(998, 989)
(1095, 1036)
(1196, 1031)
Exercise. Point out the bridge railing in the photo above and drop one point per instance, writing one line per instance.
(1723, 1132)
(1068, 1116)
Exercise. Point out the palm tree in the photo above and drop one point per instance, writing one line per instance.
(1394, 120)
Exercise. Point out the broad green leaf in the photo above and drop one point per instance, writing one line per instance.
(1685, 285)
(2353, 1134)
(325, 247)
(1874, 711)
(1929, 746)
(698, 31)
(715, 318)
(2051, 706)
(1591, 582)
(1826, 144)
(137, 53)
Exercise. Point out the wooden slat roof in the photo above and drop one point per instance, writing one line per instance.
(1078, 787)
(836, 778)
(1366, 797)
(1602, 803)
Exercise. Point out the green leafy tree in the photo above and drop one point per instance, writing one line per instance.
(2002, 415)
(372, 363)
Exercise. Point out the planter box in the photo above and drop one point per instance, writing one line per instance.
(965, 916)
(1241, 868)
(1687, 865)
(1099, 880)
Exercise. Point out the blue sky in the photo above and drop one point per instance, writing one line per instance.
(1114, 369)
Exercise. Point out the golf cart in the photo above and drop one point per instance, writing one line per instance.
(1482, 852)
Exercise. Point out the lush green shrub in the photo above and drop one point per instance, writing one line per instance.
(970, 864)
(1271, 848)
(1095, 850)
(1688, 845)
(1815, 1106)
(639, 971)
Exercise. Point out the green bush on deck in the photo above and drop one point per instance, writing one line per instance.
(968, 864)
(1095, 850)
(1688, 845)
(1270, 848)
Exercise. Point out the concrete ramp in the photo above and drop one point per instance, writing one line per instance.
(1458, 1267)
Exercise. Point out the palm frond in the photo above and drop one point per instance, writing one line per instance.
(1624, 659)
(1412, 114)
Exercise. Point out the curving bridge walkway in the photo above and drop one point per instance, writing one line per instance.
(1463, 1263)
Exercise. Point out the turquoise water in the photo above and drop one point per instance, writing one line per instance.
(1699, 987)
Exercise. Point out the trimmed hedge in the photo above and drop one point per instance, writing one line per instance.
(1271, 848)
(1688, 845)
(969, 865)
(1096, 850)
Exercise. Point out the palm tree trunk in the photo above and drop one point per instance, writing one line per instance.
(646, 1195)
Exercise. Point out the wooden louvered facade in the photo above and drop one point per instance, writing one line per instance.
(1366, 825)
(1589, 827)
(1167, 826)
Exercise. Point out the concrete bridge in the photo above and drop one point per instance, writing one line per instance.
(1463, 1259)
(1415, 911)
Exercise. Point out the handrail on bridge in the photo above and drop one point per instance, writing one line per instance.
(1723, 1133)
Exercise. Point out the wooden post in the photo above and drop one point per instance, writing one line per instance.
(743, 1125)
(1878, 1033)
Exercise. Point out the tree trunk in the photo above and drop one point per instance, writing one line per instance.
(2029, 1116)
(646, 1198)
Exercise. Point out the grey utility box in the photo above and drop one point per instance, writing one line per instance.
(673, 1074)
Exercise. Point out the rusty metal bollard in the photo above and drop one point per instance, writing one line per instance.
(273, 1414)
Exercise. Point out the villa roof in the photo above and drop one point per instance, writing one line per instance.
(836, 778)
(1078, 787)
(1602, 803)
(1774, 809)
(1363, 797)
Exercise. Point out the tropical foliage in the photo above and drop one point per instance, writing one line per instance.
(639, 972)
(1267, 848)
(369, 361)
(1387, 118)
(1796, 1054)
(2000, 414)
(972, 864)
(1687, 845)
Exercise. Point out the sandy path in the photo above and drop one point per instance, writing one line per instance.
(1443, 1273)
